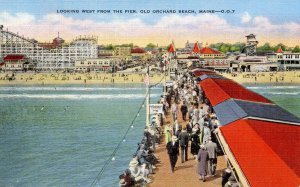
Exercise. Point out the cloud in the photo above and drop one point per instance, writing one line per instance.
(201, 27)
(20, 18)
(246, 17)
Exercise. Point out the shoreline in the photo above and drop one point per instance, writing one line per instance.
(42, 79)
(77, 79)
(265, 78)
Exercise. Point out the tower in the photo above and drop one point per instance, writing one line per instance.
(172, 50)
(251, 45)
(196, 48)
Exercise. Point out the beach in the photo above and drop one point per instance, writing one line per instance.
(286, 77)
(51, 78)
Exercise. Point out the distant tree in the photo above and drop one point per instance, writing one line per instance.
(109, 47)
(224, 48)
(240, 45)
(283, 47)
(296, 49)
(150, 45)
(234, 48)
(265, 48)
(216, 46)
(127, 45)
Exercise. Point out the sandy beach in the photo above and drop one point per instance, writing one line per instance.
(288, 77)
(76, 78)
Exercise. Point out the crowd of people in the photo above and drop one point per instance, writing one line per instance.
(187, 98)
(197, 133)
(144, 161)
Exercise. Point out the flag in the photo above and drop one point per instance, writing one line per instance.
(147, 78)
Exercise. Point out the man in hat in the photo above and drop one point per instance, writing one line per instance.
(177, 128)
(184, 110)
(211, 148)
(184, 143)
(206, 133)
(174, 110)
(173, 151)
(136, 172)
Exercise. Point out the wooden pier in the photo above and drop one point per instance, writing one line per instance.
(185, 174)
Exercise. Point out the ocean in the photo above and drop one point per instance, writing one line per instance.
(286, 96)
(63, 135)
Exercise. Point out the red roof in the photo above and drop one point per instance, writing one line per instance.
(196, 48)
(207, 50)
(198, 72)
(171, 48)
(13, 57)
(138, 50)
(219, 90)
(279, 50)
(267, 152)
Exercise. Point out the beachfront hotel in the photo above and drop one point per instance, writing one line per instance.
(103, 64)
(288, 60)
(205, 57)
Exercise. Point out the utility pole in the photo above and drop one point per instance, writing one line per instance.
(147, 82)
(165, 70)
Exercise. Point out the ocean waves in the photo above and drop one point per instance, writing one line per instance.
(272, 87)
(72, 88)
(75, 96)
(281, 93)
(282, 90)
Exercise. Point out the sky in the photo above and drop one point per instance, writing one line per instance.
(275, 21)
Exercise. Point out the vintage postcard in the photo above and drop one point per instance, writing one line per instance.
(149, 93)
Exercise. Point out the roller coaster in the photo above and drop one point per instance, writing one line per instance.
(60, 58)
